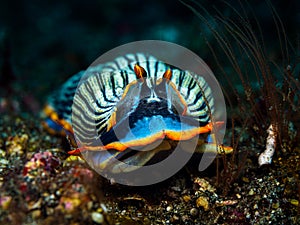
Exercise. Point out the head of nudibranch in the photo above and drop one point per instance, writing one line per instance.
(134, 113)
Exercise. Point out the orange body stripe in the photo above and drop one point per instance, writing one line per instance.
(173, 135)
(112, 121)
(49, 112)
(127, 89)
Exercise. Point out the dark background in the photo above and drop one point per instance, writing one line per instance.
(42, 43)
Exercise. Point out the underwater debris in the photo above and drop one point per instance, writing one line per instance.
(41, 163)
(204, 185)
(5, 202)
(16, 145)
(97, 217)
(202, 202)
(266, 156)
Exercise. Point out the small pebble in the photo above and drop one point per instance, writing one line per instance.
(185, 218)
(2, 153)
(4, 162)
(58, 192)
(275, 205)
(246, 179)
(251, 192)
(169, 208)
(175, 218)
(34, 205)
(97, 217)
(36, 214)
(194, 211)
(90, 204)
(175, 188)
(5, 202)
(49, 211)
(186, 198)
(248, 215)
(294, 202)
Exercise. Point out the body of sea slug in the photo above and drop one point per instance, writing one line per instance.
(131, 109)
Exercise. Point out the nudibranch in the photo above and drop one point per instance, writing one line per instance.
(131, 109)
